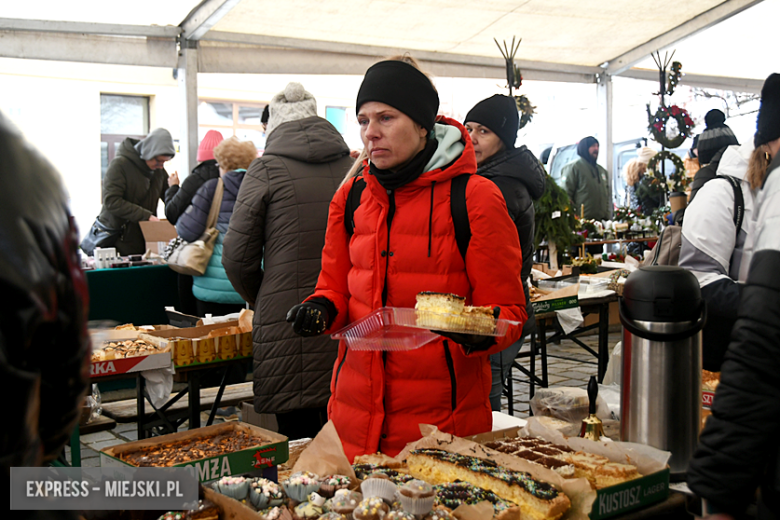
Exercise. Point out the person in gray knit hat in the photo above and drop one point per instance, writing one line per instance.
(271, 255)
(133, 184)
(291, 104)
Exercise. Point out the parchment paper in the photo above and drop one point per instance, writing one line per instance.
(325, 455)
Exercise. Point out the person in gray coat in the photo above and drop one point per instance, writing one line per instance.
(134, 182)
(272, 253)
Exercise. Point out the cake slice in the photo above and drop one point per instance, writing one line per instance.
(440, 310)
(538, 500)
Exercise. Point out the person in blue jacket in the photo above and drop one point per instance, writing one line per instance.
(213, 292)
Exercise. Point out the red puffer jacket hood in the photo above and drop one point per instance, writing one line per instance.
(379, 398)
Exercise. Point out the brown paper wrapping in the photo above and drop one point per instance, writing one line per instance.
(578, 490)
(325, 455)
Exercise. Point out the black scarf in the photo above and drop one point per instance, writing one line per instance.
(393, 180)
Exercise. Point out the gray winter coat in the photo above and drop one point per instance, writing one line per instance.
(272, 253)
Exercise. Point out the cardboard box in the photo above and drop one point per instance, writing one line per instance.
(124, 365)
(565, 269)
(263, 420)
(265, 457)
(192, 346)
(614, 500)
(565, 298)
(157, 234)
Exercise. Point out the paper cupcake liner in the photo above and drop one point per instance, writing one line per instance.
(300, 492)
(379, 487)
(416, 506)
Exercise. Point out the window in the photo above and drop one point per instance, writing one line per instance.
(337, 117)
(232, 118)
(120, 117)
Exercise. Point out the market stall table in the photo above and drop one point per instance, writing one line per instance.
(136, 295)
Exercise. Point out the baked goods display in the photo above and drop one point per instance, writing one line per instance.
(125, 349)
(710, 380)
(536, 499)
(187, 450)
(598, 470)
(397, 475)
(454, 494)
(206, 510)
(445, 311)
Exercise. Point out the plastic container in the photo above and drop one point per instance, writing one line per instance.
(381, 331)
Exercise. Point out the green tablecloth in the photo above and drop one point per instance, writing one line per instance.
(135, 295)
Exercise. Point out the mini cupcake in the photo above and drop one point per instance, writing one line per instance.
(416, 497)
(233, 487)
(439, 514)
(373, 508)
(275, 513)
(400, 515)
(379, 485)
(333, 483)
(300, 485)
(172, 515)
(333, 516)
(264, 493)
(345, 502)
(310, 509)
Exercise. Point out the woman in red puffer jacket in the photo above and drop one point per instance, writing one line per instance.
(404, 243)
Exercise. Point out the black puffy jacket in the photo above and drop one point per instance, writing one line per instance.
(521, 178)
(738, 450)
(177, 199)
(44, 346)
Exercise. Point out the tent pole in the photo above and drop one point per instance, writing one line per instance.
(605, 110)
(188, 89)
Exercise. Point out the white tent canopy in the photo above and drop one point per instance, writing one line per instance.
(563, 40)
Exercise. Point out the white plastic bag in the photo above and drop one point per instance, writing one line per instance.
(566, 403)
(159, 383)
(613, 374)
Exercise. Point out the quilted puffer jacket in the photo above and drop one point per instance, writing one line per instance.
(404, 243)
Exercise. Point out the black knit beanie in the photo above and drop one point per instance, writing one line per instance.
(402, 86)
(715, 137)
(768, 124)
(499, 114)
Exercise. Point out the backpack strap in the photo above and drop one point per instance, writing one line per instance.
(739, 200)
(460, 213)
(353, 202)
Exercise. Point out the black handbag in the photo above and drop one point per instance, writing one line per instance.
(100, 235)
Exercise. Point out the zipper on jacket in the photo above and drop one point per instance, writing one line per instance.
(451, 368)
(387, 252)
(430, 220)
(338, 370)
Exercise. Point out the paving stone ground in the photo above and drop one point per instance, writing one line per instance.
(573, 372)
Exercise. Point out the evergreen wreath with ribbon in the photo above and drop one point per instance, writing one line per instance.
(657, 124)
(677, 180)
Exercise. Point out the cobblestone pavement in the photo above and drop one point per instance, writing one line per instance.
(561, 372)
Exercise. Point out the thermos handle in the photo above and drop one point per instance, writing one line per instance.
(593, 393)
(656, 336)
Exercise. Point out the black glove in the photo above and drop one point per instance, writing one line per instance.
(308, 318)
(472, 342)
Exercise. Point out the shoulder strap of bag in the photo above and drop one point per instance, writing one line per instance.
(739, 200)
(216, 202)
(460, 213)
(353, 202)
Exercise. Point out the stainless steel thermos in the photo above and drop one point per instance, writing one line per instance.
(662, 313)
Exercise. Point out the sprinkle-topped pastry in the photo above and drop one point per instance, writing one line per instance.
(439, 514)
(416, 497)
(455, 494)
(172, 515)
(233, 487)
(333, 483)
(300, 485)
(264, 493)
(537, 499)
(373, 508)
(275, 513)
(362, 471)
(400, 515)
(345, 502)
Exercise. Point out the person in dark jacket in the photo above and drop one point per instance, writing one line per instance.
(178, 199)
(587, 183)
(272, 255)
(492, 125)
(44, 345)
(213, 292)
(711, 144)
(738, 450)
(134, 182)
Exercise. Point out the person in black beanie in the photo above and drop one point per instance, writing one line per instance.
(492, 125)
(401, 241)
(587, 183)
(710, 145)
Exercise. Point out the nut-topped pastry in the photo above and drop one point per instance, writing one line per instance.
(187, 450)
(416, 497)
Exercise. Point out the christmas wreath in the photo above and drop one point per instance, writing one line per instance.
(657, 125)
(677, 181)
(526, 110)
